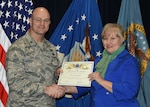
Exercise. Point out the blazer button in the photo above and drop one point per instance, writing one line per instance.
(107, 93)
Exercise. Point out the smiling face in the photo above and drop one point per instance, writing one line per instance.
(40, 21)
(112, 38)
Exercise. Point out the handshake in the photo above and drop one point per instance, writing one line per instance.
(55, 91)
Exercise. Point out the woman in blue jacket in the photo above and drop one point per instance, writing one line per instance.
(116, 76)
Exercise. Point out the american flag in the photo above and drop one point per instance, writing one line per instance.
(14, 22)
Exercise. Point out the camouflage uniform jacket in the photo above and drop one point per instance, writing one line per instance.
(29, 70)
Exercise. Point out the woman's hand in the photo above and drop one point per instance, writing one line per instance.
(96, 76)
(99, 79)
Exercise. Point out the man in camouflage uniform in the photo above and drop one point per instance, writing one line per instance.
(31, 65)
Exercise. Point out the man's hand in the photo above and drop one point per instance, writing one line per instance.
(55, 91)
(58, 71)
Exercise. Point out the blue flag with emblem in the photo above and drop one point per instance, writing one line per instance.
(135, 37)
(130, 18)
(78, 38)
(78, 35)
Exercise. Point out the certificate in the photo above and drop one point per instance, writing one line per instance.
(76, 73)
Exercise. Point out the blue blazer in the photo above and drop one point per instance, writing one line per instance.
(124, 73)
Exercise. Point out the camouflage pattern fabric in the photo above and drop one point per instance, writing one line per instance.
(30, 69)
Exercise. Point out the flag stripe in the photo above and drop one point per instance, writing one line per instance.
(4, 45)
(14, 22)
(2, 56)
(1, 104)
(3, 86)
(4, 95)
(4, 41)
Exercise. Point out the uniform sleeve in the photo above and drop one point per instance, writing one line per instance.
(128, 87)
(18, 81)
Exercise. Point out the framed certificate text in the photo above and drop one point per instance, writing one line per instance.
(76, 73)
